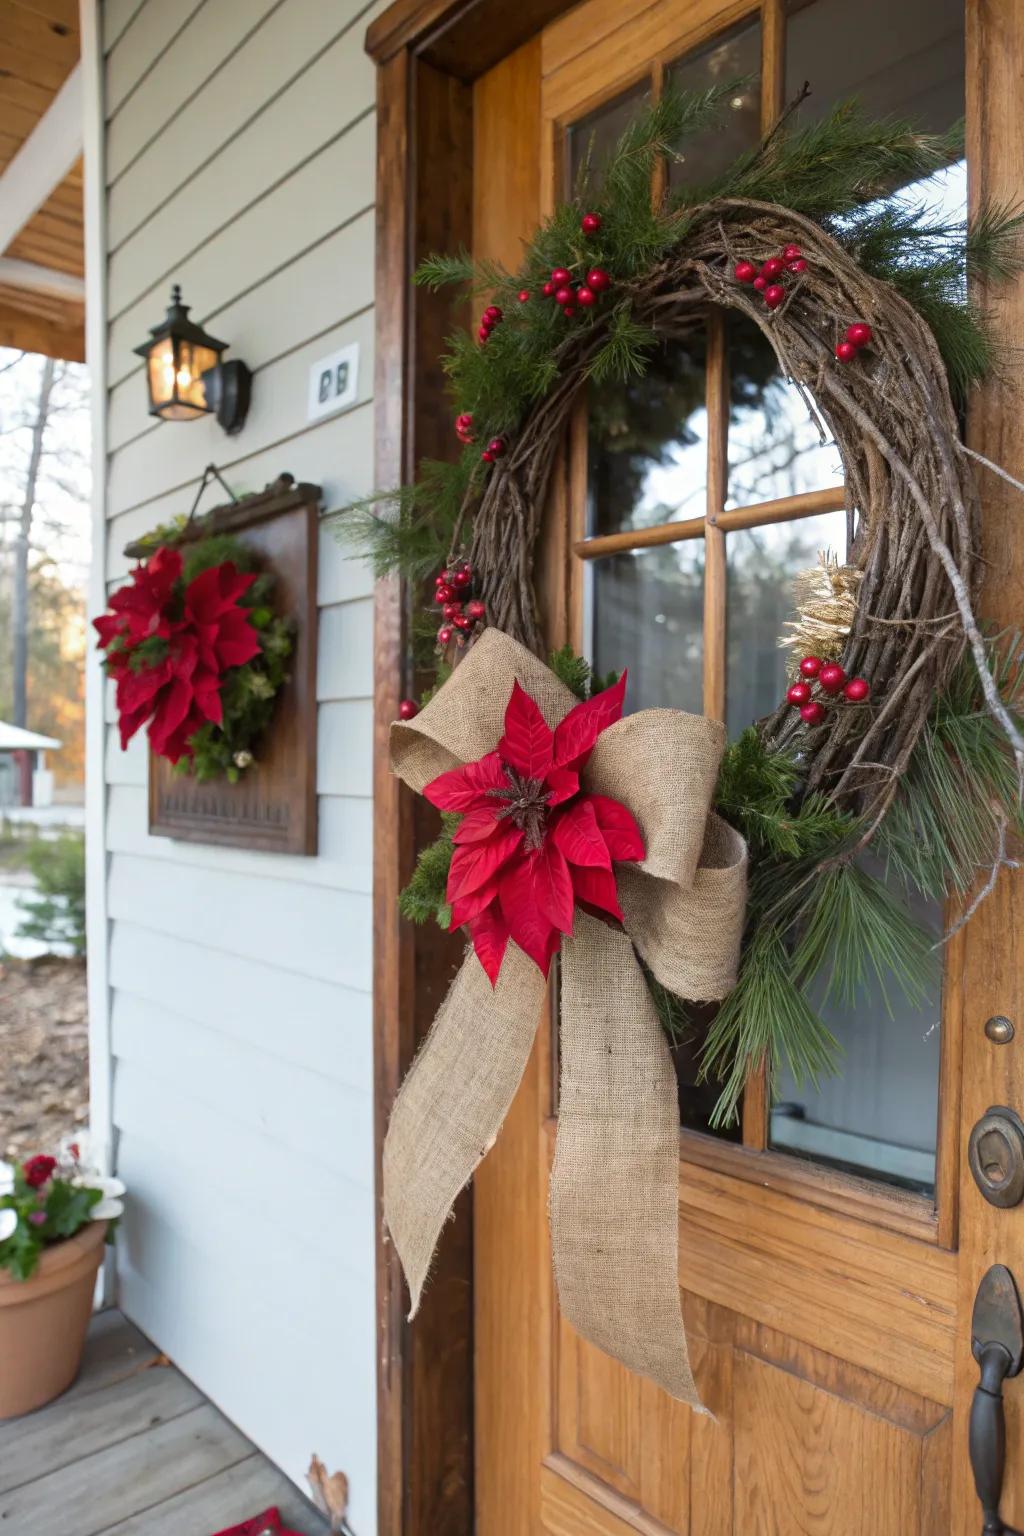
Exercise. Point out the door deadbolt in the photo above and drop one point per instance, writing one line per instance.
(995, 1153)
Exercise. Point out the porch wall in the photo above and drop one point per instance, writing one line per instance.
(240, 152)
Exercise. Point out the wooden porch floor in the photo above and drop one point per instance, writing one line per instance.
(134, 1449)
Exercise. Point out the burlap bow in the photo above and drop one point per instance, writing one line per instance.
(614, 1185)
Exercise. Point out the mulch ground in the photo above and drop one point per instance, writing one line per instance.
(44, 1054)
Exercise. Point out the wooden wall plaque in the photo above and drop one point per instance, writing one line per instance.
(273, 807)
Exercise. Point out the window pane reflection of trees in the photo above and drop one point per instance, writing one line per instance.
(647, 448)
(775, 448)
(648, 615)
(762, 563)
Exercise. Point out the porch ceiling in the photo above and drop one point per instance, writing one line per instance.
(42, 265)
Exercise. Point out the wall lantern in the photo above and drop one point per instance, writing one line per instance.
(185, 375)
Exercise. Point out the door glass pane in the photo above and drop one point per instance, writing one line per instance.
(648, 615)
(879, 1115)
(647, 444)
(775, 448)
(761, 565)
(736, 56)
(906, 58)
(591, 140)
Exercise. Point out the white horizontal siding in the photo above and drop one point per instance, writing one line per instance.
(284, 220)
(320, 287)
(268, 62)
(337, 455)
(193, 61)
(140, 45)
(240, 154)
(293, 1015)
(174, 453)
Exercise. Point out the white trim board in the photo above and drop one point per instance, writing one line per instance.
(97, 927)
(46, 156)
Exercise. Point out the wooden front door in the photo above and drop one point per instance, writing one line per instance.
(830, 1245)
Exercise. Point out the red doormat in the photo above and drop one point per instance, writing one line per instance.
(267, 1524)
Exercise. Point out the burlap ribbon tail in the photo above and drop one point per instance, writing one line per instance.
(614, 1184)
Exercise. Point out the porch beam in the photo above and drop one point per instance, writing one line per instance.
(43, 160)
(39, 279)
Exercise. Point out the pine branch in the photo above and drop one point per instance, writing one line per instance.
(766, 1017)
(943, 826)
(424, 899)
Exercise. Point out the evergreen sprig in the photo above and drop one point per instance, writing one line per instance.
(843, 171)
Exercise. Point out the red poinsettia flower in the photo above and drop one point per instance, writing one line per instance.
(205, 630)
(531, 844)
(37, 1170)
(139, 611)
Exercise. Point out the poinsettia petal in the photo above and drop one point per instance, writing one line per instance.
(216, 590)
(578, 835)
(108, 626)
(618, 827)
(236, 641)
(172, 709)
(479, 824)
(562, 784)
(490, 935)
(468, 907)
(577, 733)
(528, 741)
(553, 886)
(136, 690)
(527, 924)
(474, 863)
(596, 888)
(465, 788)
(176, 745)
(207, 696)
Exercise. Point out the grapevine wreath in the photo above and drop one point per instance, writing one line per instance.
(733, 875)
(899, 733)
(197, 652)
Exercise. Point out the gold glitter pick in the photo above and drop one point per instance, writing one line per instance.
(826, 602)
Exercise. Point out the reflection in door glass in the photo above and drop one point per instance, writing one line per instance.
(879, 1115)
(732, 58)
(762, 563)
(648, 615)
(906, 59)
(775, 449)
(647, 444)
(592, 139)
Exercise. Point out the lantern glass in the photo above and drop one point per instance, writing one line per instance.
(176, 369)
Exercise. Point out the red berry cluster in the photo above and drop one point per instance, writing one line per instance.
(767, 281)
(831, 679)
(493, 315)
(464, 427)
(451, 591)
(570, 293)
(857, 335)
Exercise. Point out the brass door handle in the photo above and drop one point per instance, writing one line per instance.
(997, 1343)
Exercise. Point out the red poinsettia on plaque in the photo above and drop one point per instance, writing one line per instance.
(196, 652)
(532, 844)
(169, 657)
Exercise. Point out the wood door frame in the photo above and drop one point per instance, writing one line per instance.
(429, 53)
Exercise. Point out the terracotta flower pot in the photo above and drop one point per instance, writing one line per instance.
(43, 1321)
